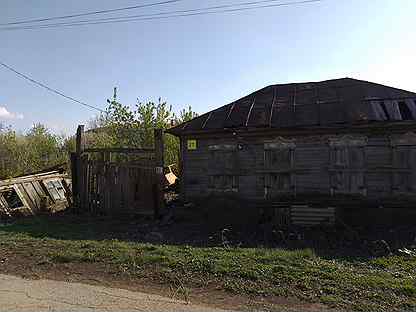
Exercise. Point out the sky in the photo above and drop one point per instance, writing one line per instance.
(203, 61)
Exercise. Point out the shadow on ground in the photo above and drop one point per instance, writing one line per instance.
(330, 243)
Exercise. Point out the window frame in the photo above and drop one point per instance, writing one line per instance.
(4, 200)
(58, 189)
(276, 173)
(346, 177)
(224, 176)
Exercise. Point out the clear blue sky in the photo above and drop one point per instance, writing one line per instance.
(202, 61)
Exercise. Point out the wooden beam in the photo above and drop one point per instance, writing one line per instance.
(249, 112)
(80, 140)
(160, 178)
(381, 127)
(77, 172)
(318, 103)
(272, 108)
(28, 179)
(182, 164)
(206, 120)
(119, 150)
(229, 112)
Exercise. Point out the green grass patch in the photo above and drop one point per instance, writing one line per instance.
(382, 284)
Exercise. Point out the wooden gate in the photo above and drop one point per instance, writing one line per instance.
(118, 180)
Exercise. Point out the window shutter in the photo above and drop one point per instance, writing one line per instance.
(347, 164)
(279, 165)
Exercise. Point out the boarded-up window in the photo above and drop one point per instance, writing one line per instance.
(279, 157)
(347, 164)
(339, 180)
(356, 182)
(279, 154)
(401, 159)
(223, 170)
(223, 157)
(339, 156)
(279, 182)
(403, 156)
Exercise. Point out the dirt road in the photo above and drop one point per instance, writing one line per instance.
(17, 294)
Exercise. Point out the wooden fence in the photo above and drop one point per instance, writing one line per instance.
(113, 181)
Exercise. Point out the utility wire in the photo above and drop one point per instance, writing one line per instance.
(163, 15)
(40, 84)
(90, 13)
(224, 6)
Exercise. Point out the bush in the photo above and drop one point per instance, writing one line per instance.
(32, 151)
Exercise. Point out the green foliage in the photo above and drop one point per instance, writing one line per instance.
(119, 126)
(30, 152)
(343, 285)
(123, 126)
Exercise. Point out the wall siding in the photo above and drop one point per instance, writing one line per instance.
(372, 170)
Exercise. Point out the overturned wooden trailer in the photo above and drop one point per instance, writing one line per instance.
(313, 153)
(42, 192)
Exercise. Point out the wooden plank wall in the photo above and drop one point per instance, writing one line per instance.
(113, 188)
(118, 180)
(381, 172)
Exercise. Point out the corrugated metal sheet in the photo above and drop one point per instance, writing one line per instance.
(310, 216)
(286, 214)
(322, 103)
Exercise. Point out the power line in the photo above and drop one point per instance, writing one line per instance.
(166, 15)
(173, 12)
(40, 84)
(90, 13)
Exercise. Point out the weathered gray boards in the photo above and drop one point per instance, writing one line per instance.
(42, 192)
(118, 181)
(363, 163)
(338, 143)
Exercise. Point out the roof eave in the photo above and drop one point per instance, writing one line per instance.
(328, 127)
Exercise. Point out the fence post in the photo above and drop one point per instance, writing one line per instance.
(182, 169)
(160, 177)
(76, 169)
(80, 140)
(74, 180)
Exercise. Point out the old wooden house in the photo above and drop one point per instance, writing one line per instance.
(317, 150)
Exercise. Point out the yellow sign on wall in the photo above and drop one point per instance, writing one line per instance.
(192, 145)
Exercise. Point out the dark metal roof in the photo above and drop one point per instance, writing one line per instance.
(322, 103)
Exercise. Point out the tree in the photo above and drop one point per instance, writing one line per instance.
(119, 126)
(185, 115)
(33, 151)
(122, 126)
(8, 151)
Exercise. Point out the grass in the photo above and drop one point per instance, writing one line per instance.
(381, 284)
